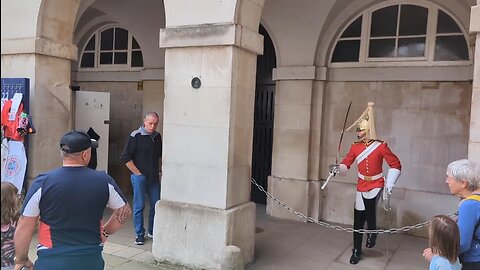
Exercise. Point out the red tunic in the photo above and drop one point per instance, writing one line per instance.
(372, 164)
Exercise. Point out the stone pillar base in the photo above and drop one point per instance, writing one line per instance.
(301, 195)
(197, 237)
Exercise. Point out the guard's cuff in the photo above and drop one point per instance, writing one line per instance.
(343, 169)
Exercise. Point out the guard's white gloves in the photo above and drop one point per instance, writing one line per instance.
(392, 177)
(333, 169)
(389, 189)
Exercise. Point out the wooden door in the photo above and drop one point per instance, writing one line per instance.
(263, 119)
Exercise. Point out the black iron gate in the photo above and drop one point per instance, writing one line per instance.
(263, 118)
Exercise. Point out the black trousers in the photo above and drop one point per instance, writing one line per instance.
(368, 215)
(471, 265)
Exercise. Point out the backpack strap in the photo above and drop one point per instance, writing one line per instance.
(475, 197)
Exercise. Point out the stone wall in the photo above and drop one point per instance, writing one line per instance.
(425, 123)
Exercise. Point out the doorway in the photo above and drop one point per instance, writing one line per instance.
(263, 119)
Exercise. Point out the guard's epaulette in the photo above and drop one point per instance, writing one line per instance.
(380, 141)
(357, 142)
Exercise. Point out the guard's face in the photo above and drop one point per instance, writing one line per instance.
(150, 123)
(362, 134)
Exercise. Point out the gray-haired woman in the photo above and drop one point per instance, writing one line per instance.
(463, 179)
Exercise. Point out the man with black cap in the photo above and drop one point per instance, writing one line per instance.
(69, 202)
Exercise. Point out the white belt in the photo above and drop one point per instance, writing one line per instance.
(370, 178)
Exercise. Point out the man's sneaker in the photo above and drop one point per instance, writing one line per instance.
(140, 240)
(149, 235)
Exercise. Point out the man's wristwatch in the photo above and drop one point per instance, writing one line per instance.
(20, 260)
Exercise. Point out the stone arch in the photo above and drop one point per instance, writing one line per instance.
(56, 20)
(273, 38)
(248, 13)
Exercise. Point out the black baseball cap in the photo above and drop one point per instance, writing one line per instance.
(76, 141)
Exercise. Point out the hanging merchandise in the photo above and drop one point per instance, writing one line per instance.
(15, 164)
(25, 125)
(16, 124)
(4, 153)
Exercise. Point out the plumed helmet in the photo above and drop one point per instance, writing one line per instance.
(363, 125)
(366, 122)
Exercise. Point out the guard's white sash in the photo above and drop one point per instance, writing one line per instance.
(367, 151)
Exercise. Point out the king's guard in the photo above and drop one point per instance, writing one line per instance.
(368, 152)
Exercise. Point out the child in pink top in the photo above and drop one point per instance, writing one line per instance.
(10, 215)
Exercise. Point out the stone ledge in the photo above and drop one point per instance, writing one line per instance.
(39, 45)
(300, 73)
(211, 35)
(412, 73)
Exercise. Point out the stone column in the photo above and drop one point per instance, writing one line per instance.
(474, 139)
(296, 140)
(47, 63)
(205, 206)
(37, 44)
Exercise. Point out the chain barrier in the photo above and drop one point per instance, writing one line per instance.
(337, 227)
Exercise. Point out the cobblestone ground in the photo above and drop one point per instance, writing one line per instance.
(282, 245)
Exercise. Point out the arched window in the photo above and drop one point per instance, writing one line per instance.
(111, 48)
(401, 33)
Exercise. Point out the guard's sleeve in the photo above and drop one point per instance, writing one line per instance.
(391, 159)
(349, 158)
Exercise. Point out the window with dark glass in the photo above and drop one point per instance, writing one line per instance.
(106, 40)
(137, 58)
(88, 56)
(348, 46)
(116, 47)
(384, 22)
(413, 20)
(354, 29)
(450, 43)
(399, 32)
(445, 24)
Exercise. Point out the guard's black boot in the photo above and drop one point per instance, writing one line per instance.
(356, 256)
(371, 240)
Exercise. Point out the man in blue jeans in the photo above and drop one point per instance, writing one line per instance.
(143, 156)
